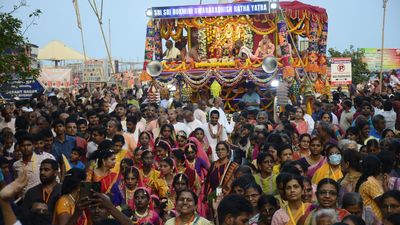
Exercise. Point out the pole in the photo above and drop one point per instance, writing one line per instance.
(383, 43)
(96, 12)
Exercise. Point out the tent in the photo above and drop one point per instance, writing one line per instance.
(58, 51)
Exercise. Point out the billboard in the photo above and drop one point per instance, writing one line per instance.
(23, 89)
(55, 77)
(391, 59)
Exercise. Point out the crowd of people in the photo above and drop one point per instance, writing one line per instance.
(96, 157)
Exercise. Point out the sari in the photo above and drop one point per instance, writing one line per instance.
(118, 158)
(326, 171)
(106, 181)
(284, 216)
(153, 182)
(122, 196)
(220, 175)
(312, 168)
(197, 220)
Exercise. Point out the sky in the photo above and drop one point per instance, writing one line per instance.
(351, 22)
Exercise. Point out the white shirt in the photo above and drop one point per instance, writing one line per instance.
(223, 119)
(193, 125)
(181, 126)
(33, 169)
(200, 115)
(172, 53)
(91, 147)
(346, 119)
(310, 121)
(334, 119)
(10, 124)
(390, 118)
(213, 141)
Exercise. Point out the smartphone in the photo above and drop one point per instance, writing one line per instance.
(87, 187)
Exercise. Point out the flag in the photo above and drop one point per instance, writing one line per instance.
(78, 16)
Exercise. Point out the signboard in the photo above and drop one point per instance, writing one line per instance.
(340, 71)
(210, 10)
(391, 59)
(55, 77)
(23, 89)
(93, 72)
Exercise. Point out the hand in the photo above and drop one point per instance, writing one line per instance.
(102, 200)
(216, 201)
(11, 190)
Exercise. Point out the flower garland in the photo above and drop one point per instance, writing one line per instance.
(248, 37)
(203, 43)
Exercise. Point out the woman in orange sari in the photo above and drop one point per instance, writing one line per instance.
(103, 174)
(290, 213)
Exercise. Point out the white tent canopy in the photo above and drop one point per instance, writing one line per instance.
(58, 51)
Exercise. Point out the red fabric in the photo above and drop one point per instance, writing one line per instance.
(296, 9)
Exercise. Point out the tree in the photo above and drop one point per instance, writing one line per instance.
(359, 68)
(14, 60)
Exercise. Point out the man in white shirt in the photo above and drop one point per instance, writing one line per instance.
(191, 122)
(389, 114)
(172, 52)
(217, 105)
(215, 132)
(346, 118)
(200, 112)
(7, 119)
(177, 125)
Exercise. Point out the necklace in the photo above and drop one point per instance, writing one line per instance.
(142, 215)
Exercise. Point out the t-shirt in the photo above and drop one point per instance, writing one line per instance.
(251, 98)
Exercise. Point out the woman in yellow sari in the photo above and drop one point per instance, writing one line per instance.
(103, 174)
(290, 213)
(331, 169)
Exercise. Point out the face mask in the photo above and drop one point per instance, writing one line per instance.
(335, 159)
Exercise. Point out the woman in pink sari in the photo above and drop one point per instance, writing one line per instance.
(199, 135)
(315, 160)
(123, 190)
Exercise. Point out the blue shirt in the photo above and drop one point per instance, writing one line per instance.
(251, 98)
(78, 165)
(63, 148)
(374, 133)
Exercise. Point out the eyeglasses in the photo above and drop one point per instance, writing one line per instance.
(220, 149)
(331, 193)
(388, 207)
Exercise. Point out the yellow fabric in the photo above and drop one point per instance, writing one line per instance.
(63, 205)
(268, 185)
(118, 158)
(326, 172)
(153, 181)
(369, 191)
(276, 169)
(66, 163)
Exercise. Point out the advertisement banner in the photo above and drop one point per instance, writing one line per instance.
(340, 71)
(391, 59)
(210, 10)
(55, 77)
